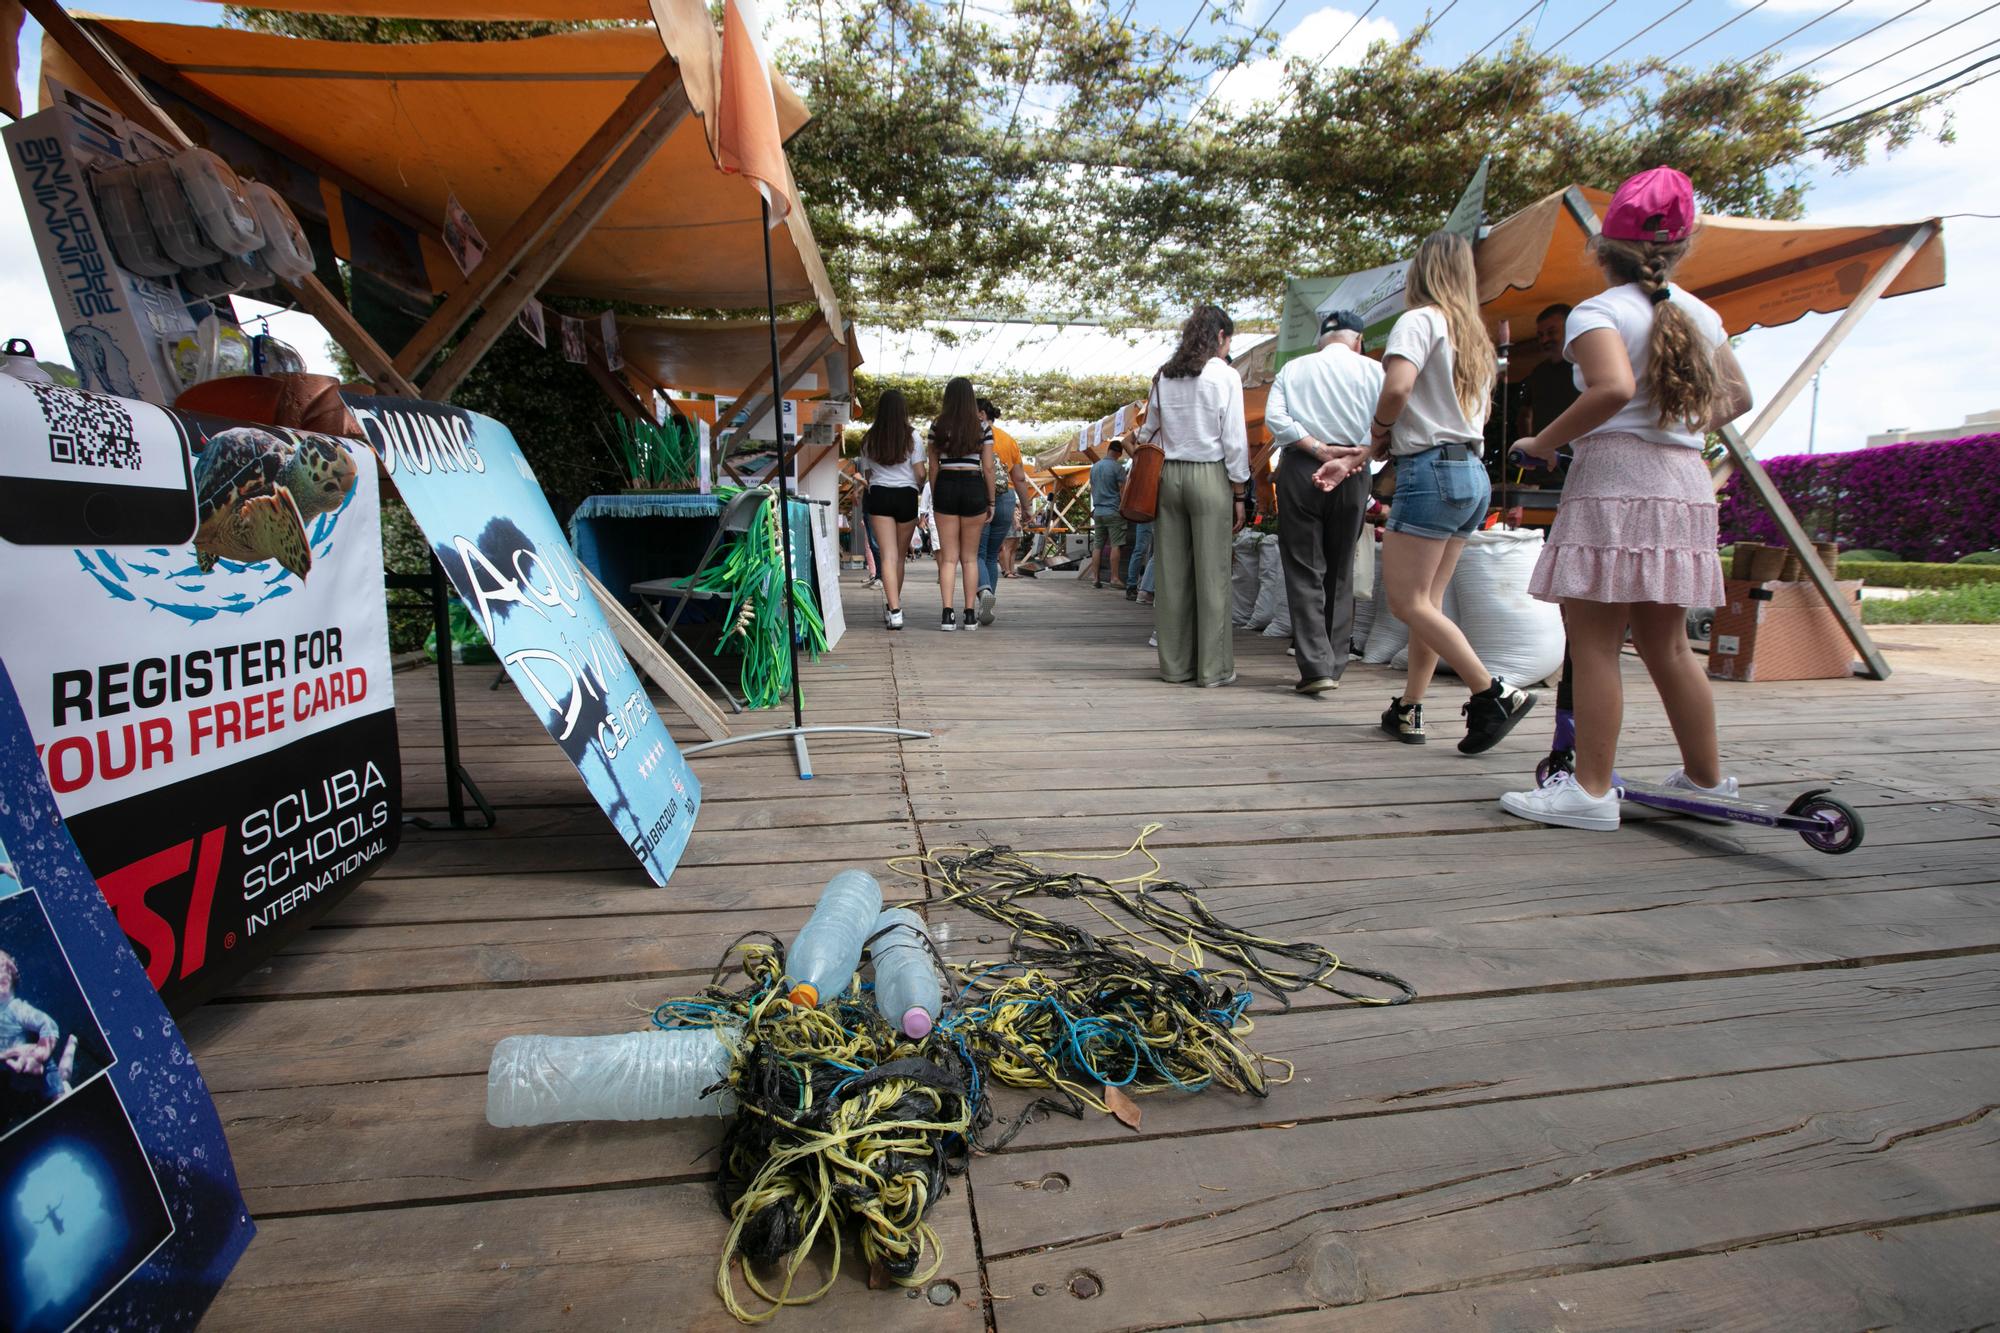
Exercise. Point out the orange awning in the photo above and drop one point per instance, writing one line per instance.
(716, 356)
(1755, 274)
(494, 121)
(470, 11)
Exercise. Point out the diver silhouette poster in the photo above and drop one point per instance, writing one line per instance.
(119, 1206)
(215, 716)
(482, 511)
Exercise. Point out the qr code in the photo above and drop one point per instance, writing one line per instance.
(86, 429)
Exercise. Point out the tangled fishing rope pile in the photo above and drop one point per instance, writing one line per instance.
(751, 575)
(842, 1121)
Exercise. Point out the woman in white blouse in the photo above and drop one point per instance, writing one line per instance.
(1195, 410)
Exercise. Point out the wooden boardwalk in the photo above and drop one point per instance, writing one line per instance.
(1685, 1076)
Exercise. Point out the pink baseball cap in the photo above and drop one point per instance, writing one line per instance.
(1656, 205)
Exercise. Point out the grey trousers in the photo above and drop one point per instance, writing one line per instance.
(1317, 532)
(1191, 536)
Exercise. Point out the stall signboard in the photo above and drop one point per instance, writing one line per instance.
(214, 716)
(118, 1201)
(482, 511)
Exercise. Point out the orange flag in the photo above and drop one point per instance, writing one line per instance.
(746, 115)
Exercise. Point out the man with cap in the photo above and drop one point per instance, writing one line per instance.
(1318, 412)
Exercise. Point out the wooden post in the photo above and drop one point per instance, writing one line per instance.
(548, 210)
(1767, 494)
(750, 392)
(650, 658)
(568, 234)
(131, 101)
(1920, 236)
(615, 390)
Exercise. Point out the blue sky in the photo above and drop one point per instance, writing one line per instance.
(1916, 361)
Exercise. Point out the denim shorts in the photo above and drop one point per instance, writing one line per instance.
(1439, 498)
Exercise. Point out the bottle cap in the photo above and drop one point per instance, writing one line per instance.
(805, 994)
(916, 1023)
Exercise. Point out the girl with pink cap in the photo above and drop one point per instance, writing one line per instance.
(1634, 540)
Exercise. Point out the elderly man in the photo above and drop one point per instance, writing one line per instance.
(1318, 413)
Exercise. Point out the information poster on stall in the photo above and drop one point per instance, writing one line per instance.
(118, 1202)
(482, 511)
(215, 717)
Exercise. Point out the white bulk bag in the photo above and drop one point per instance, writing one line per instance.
(1387, 635)
(1519, 638)
(1245, 569)
(1270, 584)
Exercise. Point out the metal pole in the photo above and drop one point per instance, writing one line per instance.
(784, 493)
(1812, 423)
(447, 696)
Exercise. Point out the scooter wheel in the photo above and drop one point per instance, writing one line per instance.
(1840, 830)
(1557, 761)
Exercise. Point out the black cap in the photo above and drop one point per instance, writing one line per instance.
(1341, 319)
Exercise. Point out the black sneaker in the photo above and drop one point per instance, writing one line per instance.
(1491, 714)
(950, 623)
(1404, 721)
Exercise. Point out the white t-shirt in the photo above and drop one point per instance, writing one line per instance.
(1433, 416)
(1627, 311)
(904, 473)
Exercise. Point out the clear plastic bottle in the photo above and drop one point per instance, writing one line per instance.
(646, 1075)
(823, 958)
(908, 990)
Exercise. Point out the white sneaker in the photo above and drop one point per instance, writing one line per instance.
(1152, 640)
(893, 619)
(1680, 781)
(1564, 803)
(985, 613)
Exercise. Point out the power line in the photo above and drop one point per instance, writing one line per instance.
(1909, 47)
(1632, 120)
(1899, 100)
(1579, 27)
(1807, 64)
(1642, 32)
(1522, 17)
(1239, 62)
(1165, 66)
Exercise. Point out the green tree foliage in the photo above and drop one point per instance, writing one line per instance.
(1019, 397)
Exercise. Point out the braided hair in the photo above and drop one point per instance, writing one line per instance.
(1680, 367)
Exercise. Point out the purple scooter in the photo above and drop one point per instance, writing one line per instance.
(1827, 823)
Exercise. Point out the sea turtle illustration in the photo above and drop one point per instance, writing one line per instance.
(256, 491)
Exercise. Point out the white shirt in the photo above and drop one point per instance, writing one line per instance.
(1201, 418)
(1628, 312)
(1329, 395)
(1433, 416)
(904, 473)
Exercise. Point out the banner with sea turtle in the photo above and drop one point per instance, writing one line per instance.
(214, 716)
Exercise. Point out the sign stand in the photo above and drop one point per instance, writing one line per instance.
(457, 782)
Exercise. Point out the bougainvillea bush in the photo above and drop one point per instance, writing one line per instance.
(1936, 500)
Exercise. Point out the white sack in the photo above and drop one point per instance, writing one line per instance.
(1244, 572)
(1519, 638)
(1270, 584)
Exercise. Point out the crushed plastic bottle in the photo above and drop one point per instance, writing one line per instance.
(908, 990)
(646, 1075)
(823, 958)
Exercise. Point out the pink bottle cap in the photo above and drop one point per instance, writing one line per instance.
(916, 1023)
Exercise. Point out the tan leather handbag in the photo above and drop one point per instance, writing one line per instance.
(1139, 501)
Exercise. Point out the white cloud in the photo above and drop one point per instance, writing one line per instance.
(1337, 36)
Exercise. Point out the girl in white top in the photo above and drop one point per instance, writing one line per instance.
(1437, 383)
(1634, 540)
(892, 458)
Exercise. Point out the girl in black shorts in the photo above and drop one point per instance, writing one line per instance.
(891, 456)
(961, 476)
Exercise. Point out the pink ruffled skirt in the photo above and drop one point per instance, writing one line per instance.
(1636, 524)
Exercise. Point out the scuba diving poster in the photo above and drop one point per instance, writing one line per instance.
(489, 525)
(214, 714)
(118, 1201)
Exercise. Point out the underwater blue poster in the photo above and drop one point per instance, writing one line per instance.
(482, 511)
(118, 1202)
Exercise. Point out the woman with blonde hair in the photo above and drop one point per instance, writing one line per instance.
(1438, 369)
(1634, 540)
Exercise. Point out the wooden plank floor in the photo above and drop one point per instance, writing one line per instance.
(1686, 1076)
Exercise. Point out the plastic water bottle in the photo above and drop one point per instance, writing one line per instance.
(908, 989)
(646, 1075)
(823, 958)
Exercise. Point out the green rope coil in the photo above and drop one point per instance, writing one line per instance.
(751, 576)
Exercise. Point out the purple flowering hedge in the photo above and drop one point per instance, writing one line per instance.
(1936, 501)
